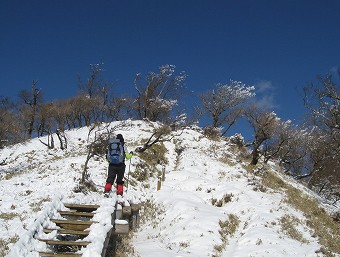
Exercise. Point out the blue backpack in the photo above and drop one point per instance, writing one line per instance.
(115, 153)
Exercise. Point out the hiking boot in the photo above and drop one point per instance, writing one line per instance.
(107, 188)
(120, 189)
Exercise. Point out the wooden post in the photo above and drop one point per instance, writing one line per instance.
(159, 184)
(126, 211)
(134, 218)
(121, 227)
(163, 174)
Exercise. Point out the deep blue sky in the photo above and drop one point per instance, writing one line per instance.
(281, 45)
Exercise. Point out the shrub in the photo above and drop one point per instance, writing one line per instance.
(155, 155)
(143, 172)
(212, 133)
(227, 229)
(225, 199)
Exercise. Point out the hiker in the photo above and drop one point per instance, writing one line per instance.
(116, 155)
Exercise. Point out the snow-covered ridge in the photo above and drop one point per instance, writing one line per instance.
(190, 224)
(200, 194)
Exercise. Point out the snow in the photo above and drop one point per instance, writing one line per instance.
(27, 245)
(121, 222)
(36, 182)
(191, 221)
(99, 230)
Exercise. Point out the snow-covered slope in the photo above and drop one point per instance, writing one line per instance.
(207, 206)
(189, 222)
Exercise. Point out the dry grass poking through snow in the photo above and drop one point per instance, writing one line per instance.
(322, 224)
(289, 227)
(227, 230)
(147, 168)
(4, 245)
(124, 247)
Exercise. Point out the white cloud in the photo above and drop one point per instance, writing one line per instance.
(265, 94)
(267, 102)
(263, 85)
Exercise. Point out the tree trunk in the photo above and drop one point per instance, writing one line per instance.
(255, 153)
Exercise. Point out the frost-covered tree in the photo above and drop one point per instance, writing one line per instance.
(323, 101)
(158, 94)
(264, 125)
(291, 145)
(224, 103)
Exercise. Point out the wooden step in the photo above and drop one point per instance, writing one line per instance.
(82, 207)
(67, 231)
(48, 254)
(121, 229)
(73, 224)
(76, 213)
(70, 243)
(135, 207)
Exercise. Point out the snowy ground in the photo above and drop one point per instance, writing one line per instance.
(189, 226)
(186, 222)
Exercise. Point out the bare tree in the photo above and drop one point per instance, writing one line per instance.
(32, 100)
(119, 108)
(82, 110)
(46, 123)
(95, 94)
(158, 94)
(93, 85)
(224, 103)
(10, 128)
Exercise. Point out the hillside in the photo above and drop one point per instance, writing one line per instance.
(212, 203)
